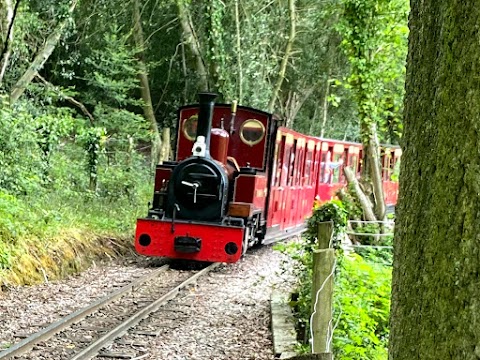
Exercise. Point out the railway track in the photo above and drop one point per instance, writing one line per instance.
(111, 326)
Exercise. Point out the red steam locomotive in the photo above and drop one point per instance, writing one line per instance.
(240, 178)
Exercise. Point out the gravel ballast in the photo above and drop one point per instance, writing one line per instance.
(225, 316)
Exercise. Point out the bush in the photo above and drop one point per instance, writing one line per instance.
(330, 211)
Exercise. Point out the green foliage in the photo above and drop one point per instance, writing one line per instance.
(13, 222)
(334, 211)
(374, 36)
(111, 71)
(20, 173)
(92, 139)
(351, 203)
(361, 301)
(362, 308)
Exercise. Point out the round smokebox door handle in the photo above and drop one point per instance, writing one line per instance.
(195, 187)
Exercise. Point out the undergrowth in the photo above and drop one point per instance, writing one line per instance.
(361, 291)
(62, 227)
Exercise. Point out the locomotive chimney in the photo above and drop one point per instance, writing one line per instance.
(204, 126)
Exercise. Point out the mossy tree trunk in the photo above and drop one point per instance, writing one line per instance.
(436, 293)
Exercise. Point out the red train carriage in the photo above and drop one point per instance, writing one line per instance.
(239, 178)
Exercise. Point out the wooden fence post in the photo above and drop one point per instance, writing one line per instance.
(323, 262)
(325, 230)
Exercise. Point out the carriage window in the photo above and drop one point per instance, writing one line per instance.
(354, 162)
(396, 170)
(307, 169)
(301, 167)
(278, 165)
(280, 161)
(385, 158)
(292, 165)
(324, 173)
(252, 132)
(286, 166)
(315, 166)
(336, 168)
(189, 127)
(343, 179)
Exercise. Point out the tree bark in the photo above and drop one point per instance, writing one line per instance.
(435, 291)
(294, 103)
(7, 29)
(286, 56)
(365, 203)
(166, 151)
(41, 57)
(191, 40)
(372, 168)
(376, 173)
(144, 85)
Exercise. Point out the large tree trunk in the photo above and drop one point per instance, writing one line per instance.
(41, 57)
(286, 56)
(435, 310)
(148, 112)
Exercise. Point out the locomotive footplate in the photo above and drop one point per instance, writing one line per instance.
(187, 244)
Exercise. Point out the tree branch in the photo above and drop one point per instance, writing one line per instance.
(286, 56)
(41, 57)
(66, 97)
(192, 41)
(365, 203)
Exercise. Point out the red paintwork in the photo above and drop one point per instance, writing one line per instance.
(243, 153)
(327, 192)
(214, 238)
(219, 145)
(251, 189)
(390, 189)
(293, 183)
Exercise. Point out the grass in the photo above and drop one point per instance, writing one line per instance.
(55, 234)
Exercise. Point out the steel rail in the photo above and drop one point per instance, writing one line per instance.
(93, 349)
(46, 333)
